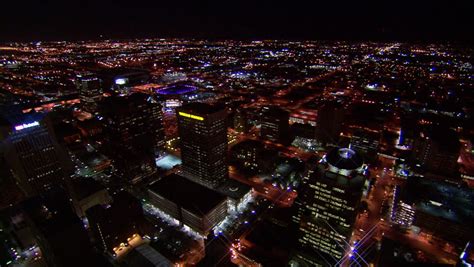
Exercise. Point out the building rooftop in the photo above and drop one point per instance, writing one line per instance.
(201, 108)
(447, 139)
(234, 189)
(85, 187)
(122, 104)
(91, 123)
(11, 116)
(393, 253)
(275, 111)
(249, 143)
(52, 215)
(344, 158)
(441, 199)
(270, 243)
(146, 256)
(64, 129)
(189, 195)
(267, 235)
(51, 212)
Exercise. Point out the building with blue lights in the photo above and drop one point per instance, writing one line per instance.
(326, 207)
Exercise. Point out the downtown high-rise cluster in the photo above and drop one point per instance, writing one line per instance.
(173, 152)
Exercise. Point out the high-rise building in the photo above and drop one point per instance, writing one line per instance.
(248, 154)
(86, 193)
(304, 116)
(57, 231)
(326, 207)
(31, 151)
(240, 121)
(441, 209)
(134, 134)
(275, 124)
(115, 224)
(203, 141)
(252, 156)
(366, 143)
(329, 122)
(11, 193)
(437, 151)
(90, 91)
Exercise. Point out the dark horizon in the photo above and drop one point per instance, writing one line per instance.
(86, 20)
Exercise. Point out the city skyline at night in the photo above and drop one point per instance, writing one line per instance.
(330, 133)
(301, 20)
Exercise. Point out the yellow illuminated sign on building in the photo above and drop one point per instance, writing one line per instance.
(187, 115)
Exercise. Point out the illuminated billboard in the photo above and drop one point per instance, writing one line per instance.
(26, 125)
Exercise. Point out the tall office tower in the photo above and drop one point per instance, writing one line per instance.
(134, 134)
(252, 156)
(11, 193)
(59, 233)
(329, 122)
(90, 91)
(437, 151)
(248, 155)
(203, 133)
(241, 124)
(326, 207)
(31, 151)
(117, 223)
(275, 124)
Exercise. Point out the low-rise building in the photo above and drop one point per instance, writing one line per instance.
(192, 204)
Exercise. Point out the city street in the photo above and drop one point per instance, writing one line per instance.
(372, 226)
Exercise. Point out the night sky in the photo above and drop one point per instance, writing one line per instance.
(237, 19)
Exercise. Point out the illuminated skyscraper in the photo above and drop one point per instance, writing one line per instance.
(203, 138)
(28, 144)
(90, 91)
(326, 207)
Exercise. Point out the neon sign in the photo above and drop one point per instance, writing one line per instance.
(26, 125)
(187, 115)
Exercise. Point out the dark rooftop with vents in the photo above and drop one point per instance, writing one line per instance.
(189, 195)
